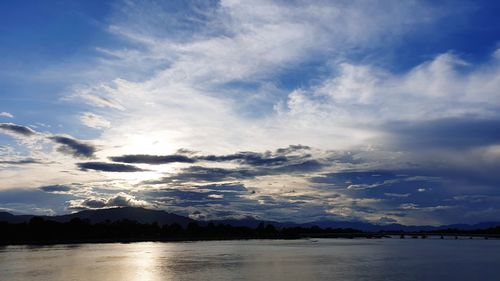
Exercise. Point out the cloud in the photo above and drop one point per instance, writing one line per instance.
(249, 158)
(100, 95)
(17, 129)
(232, 62)
(440, 88)
(199, 174)
(292, 148)
(185, 197)
(359, 179)
(224, 187)
(152, 159)
(55, 188)
(33, 201)
(108, 167)
(280, 157)
(447, 133)
(90, 203)
(73, 147)
(26, 161)
(302, 166)
(68, 145)
(94, 121)
(125, 200)
(6, 114)
(120, 199)
(363, 186)
(400, 195)
(251, 165)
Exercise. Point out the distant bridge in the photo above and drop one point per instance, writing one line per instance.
(444, 235)
(406, 235)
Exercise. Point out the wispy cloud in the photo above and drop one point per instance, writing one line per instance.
(95, 121)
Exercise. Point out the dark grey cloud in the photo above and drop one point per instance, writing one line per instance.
(201, 197)
(248, 158)
(292, 148)
(251, 164)
(403, 192)
(68, 145)
(201, 174)
(55, 188)
(74, 147)
(460, 150)
(279, 157)
(152, 159)
(108, 167)
(456, 133)
(18, 129)
(399, 185)
(206, 174)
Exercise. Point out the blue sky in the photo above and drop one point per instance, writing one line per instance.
(380, 111)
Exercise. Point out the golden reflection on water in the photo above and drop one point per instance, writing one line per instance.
(134, 261)
(144, 263)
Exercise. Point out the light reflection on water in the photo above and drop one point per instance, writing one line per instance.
(322, 259)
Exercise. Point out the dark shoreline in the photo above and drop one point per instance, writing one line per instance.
(183, 239)
(42, 231)
(409, 236)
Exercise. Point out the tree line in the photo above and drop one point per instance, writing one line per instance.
(40, 230)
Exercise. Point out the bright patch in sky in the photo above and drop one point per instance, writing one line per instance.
(286, 110)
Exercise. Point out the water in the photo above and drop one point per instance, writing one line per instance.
(267, 260)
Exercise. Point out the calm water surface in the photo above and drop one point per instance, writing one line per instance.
(321, 259)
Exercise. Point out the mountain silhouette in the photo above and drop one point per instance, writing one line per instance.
(147, 216)
(140, 215)
(8, 217)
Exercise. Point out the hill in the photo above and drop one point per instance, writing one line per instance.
(148, 216)
(113, 214)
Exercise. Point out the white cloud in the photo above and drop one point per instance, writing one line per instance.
(443, 87)
(120, 199)
(94, 121)
(6, 114)
(234, 43)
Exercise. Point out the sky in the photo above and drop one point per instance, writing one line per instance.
(376, 111)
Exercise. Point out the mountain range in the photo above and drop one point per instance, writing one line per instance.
(142, 215)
